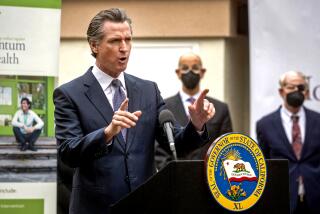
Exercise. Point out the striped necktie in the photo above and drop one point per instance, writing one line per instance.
(118, 97)
(297, 148)
(296, 136)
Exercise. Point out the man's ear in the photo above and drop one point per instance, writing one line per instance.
(203, 71)
(178, 73)
(281, 92)
(307, 94)
(94, 47)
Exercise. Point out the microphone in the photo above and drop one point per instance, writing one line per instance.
(166, 120)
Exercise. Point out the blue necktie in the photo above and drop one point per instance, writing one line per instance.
(191, 100)
(117, 99)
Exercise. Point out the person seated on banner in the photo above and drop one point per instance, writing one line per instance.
(190, 72)
(27, 126)
(292, 132)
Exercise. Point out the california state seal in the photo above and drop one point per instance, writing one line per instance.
(236, 171)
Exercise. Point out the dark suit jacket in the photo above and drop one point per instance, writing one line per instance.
(104, 174)
(217, 126)
(275, 144)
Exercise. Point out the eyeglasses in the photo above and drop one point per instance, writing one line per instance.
(300, 87)
(195, 68)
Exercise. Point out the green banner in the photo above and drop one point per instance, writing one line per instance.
(32, 3)
(21, 206)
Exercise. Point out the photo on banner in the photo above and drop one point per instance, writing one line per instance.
(28, 168)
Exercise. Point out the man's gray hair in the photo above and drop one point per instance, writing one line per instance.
(282, 79)
(95, 28)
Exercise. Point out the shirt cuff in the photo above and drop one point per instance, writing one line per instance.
(110, 142)
(202, 130)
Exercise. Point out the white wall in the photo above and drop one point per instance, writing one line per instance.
(152, 59)
(74, 59)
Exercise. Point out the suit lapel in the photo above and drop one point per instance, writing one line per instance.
(134, 104)
(98, 99)
(277, 123)
(179, 111)
(309, 126)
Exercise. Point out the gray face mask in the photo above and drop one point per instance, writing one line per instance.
(190, 79)
(295, 99)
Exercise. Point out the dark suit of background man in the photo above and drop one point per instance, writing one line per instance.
(112, 147)
(190, 71)
(293, 132)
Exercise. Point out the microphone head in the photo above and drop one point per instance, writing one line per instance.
(166, 116)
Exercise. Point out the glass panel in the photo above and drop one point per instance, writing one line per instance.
(5, 119)
(35, 92)
(43, 118)
(7, 77)
(31, 78)
(5, 95)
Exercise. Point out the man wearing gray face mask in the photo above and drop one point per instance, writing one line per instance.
(190, 71)
(292, 132)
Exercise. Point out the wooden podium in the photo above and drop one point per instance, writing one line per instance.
(181, 188)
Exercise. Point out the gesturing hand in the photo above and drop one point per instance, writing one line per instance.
(201, 111)
(121, 119)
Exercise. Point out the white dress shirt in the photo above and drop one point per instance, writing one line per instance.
(105, 82)
(21, 119)
(287, 122)
(184, 98)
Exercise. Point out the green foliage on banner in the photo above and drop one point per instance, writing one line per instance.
(32, 3)
(21, 206)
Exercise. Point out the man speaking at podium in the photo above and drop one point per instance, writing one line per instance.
(293, 132)
(107, 120)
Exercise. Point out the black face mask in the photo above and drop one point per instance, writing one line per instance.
(295, 99)
(190, 80)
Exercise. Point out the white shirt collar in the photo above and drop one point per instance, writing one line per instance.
(105, 79)
(286, 114)
(287, 122)
(185, 96)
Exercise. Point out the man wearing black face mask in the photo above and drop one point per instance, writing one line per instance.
(190, 72)
(190, 79)
(293, 132)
